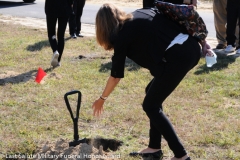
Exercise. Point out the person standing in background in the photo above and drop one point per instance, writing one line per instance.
(150, 3)
(57, 11)
(233, 17)
(220, 20)
(75, 18)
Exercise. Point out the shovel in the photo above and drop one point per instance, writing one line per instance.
(76, 140)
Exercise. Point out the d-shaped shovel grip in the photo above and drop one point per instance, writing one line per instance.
(75, 119)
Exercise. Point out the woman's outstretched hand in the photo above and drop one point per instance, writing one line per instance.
(98, 107)
(98, 104)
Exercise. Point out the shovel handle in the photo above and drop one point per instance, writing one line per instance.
(78, 104)
(75, 119)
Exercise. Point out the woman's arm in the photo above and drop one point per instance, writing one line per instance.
(98, 104)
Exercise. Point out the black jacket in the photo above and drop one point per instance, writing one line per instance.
(58, 8)
(144, 40)
(150, 3)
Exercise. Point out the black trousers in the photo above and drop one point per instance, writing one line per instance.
(56, 43)
(75, 17)
(179, 60)
(233, 15)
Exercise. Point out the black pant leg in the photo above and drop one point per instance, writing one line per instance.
(232, 16)
(72, 23)
(155, 137)
(152, 105)
(62, 24)
(80, 5)
(51, 30)
(180, 59)
(238, 10)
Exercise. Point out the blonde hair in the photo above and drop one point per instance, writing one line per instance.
(108, 19)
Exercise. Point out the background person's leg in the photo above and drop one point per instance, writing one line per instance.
(232, 17)
(220, 20)
(80, 6)
(51, 30)
(62, 24)
(237, 33)
(72, 20)
(72, 24)
(238, 27)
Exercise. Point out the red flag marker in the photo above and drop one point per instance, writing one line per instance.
(40, 75)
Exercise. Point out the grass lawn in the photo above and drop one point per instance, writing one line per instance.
(204, 108)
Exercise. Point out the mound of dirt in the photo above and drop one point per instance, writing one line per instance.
(98, 148)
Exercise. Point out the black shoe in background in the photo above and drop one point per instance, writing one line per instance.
(79, 35)
(73, 36)
(221, 46)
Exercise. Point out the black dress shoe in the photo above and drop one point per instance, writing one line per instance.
(188, 158)
(155, 155)
(221, 46)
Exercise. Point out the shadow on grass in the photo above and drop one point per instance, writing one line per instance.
(129, 65)
(14, 79)
(40, 45)
(222, 63)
